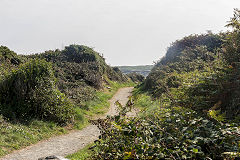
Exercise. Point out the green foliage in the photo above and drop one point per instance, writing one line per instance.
(8, 60)
(30, 92)
(99, 104)
(210, 41)
(196, 87)
(64, 89)
(166, 132)
(135, 77)
(231, 47)
(80, 71)
(84, 154)
(185, 59)
(16, 136)
(199, 74)
(7, 55)
(143, 100)
(216, 115)
(115, 74)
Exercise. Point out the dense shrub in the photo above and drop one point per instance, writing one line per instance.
(80, 71)
(214, 59)
(196, 106)
(30, 92)
(7, 55)
(8, 60)
(166, 133)
(231, 46)
(189, 60)
(210, 40)
(136, 77)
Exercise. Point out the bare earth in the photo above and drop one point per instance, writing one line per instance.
(72, 142)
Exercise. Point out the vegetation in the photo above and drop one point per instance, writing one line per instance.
(166, 132)
(30, 92)
(184, 55)
(80, 71)
(46, 94)
(8, 60)
(17, 135)
(83, 154)
(135, 77)
(189, 101)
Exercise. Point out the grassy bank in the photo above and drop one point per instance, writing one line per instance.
(100, 107)
(15, 136)
(82, 154)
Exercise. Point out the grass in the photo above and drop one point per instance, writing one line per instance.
(100, 106)
(16, 136)
(83, 154)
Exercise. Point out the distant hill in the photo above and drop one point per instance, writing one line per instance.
(142, 69)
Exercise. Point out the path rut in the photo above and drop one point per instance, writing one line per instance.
(72, 142)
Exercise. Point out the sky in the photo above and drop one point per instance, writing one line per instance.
(126, 32)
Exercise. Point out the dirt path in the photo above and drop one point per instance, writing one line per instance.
(72, 142)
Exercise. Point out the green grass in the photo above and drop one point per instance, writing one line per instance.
(83, 154)
(16, 136)
(98, 106)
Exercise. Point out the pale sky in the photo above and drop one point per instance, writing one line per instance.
(126, 32)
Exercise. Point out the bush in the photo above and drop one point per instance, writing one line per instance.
(80, 71)
(136, 77)
(231, 46)
(166, 133)
(30, 92)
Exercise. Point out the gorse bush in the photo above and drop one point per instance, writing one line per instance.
(80, 71)
(8, 60)
(30, 92)
(136, 77)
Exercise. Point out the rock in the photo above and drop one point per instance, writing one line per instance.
(52, 158)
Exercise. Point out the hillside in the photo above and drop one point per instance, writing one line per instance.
(43, 95)
(189, 104)
(80, 71)
(197, 65)
(143, 69)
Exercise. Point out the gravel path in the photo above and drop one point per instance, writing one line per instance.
(69, 143)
